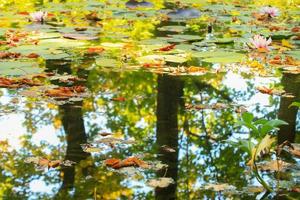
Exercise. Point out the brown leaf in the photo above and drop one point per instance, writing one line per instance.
(105, 134)
(128, 162)
(296, 29)
(118, 98)
(260, 17)
(93, 16)
(32, 55)
(80, 29)
(8, 83)
(113, 162)
(43, 162)
(168, 47)
(95, 50)
(264, 90)
(4, 55)
(54, 163)
(65, 91)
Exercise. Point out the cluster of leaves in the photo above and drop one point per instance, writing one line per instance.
(260, 141)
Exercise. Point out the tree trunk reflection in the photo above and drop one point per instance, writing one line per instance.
(169, 93)
(290, 82)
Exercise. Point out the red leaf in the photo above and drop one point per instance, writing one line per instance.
(167, 48)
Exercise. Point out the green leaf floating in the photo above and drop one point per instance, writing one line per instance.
(172, 28)
(189, 38)
(219, 56)
(177, 58)
(49, 48)
(18, 68)
(107, 62)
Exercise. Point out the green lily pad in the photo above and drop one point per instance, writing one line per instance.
(107, 62)
(189, 38)
(178, 58)
(219, 56)
(177, 29)
(279, 35)
(18, 68)
(294, 54)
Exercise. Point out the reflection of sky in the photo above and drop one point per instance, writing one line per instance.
(235, 81)
(12, 129)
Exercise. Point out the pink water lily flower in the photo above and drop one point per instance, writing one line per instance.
(270, 11)
(39, 16)
(261, 43)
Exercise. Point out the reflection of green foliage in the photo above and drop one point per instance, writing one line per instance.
(259, 128)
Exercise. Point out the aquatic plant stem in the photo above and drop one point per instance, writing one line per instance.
(260, 179)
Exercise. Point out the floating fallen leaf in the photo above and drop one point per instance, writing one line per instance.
(295, 29)
(216, 106)
(219, 187)
(105, 134)
(68, 163)
(112, 141)
(8, 83)
(273, 165)
(128, 162)
(80, 29)
(270, 91)
(118, 99)
(264, 90)
(292, 148)
(260, 17)
(194, 69)
(95, 50)
(32, 55)
(66, 78)
(168, 149)
(241, 109)
(17, 82)
(65, 91)
(162, 182)
(45, 163)
(291, 61)
(89, 148)
(4, 55)
(168, 47)
(295, 189)
(253, 189)
(93, 16)
(152, 65)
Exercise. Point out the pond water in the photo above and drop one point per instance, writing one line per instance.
(97, 82)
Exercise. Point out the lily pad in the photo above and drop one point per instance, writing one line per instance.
(77, 36)
(177, 29)
(178, 58)
(190, 38)
(18, 68)
(107, 62)
(219, 56)
(184, 13)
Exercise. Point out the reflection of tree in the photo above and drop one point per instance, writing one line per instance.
(75, 133)
(169, 92)
(73, 124)
(290, 82)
